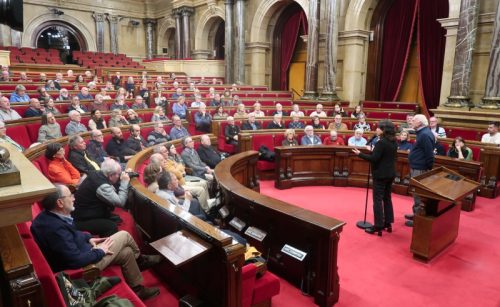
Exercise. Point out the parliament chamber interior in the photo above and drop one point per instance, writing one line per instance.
(221, 153)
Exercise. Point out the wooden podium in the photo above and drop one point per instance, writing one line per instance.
(435, 225)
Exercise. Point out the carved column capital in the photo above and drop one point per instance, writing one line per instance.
(99, 17)
(228, 2)
(114, 19)
(150, 21)
(186, 11)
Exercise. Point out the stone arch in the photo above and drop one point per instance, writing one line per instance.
(205, 26)
(358, 16)
(32, 30)
(265, 13)
(164, 27)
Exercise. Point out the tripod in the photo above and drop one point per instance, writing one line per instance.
(364, 224)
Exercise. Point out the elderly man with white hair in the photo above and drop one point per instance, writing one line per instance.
(231, 131)
(421, 157)
(310, 138)
(19, 95)
(6, 112)
(75, 126)
(319, 111)
(357, 139)
(279, 110)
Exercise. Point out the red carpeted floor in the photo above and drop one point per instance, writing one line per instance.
(380, 271)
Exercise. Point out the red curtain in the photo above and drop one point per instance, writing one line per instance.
(398, 32)
(431, 46)
(291, 28)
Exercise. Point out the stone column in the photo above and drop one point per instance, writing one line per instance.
(228, 55)
(239, 60)
(99, 25)
(257, 52)
(178, 33)
(113, 31)
(186, 40)
(150, 37)
(310, 90)
(462, 65)
(491, 99)
(330, 77)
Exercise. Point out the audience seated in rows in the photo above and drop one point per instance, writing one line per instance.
(6, 113)
(135, 141)
(159, 115)
(84, 94)
(257, 111)
(96, 121)
(50, 107)
(98, 104)
(220, 113)
(117, 119)
(63, 95)
(357, 139)
(310, 139)
(362, 124)
(119, 104)
(193, 161)
(358, 110)
(76, 106)
(79, 157)
(59, 169)
(5, 139)
(318, 112)
(338, 110)
(35, 109)
(251, 123)
(276, 123)
(139, 103)
(180, 108)
(50, 129)
(333, 139)
(316, 123)
(296, 111)
(75, 126)
(19, 95)
(289, 139)
(241, 111)
(67, 248)
(208, 154)
(337, 124)
(296, 123)
(95, 147)
(133, 117)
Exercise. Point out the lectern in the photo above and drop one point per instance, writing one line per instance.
(435, 225)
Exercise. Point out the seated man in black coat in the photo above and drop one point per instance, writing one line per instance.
(276, 123)
(117, 147)
(66, 248)
(135, 141)
(79, 157)
(231, 131)
(251, 123)
(207, 153)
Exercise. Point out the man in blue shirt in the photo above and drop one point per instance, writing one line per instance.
(178, 131)
(84, 94)
(357, 139)
(65, 247)
(310, 139)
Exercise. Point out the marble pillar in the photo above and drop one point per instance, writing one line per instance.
(239, 60)
(178, 33)
(462, 65)
(229, 35)
(113, 31)
(331, 45)
(257, 52)
(99, 26)
(491, 99)
(186, 40)
(150, 37)
(311, 84)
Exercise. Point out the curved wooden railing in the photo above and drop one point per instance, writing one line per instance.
(284, 224)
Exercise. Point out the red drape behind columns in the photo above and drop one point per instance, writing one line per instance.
(431, 47)
(295, 24)
(398, 30)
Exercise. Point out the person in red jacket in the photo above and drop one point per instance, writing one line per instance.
(333, 139)
(60, 170)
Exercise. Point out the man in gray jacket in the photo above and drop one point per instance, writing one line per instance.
(193, 161)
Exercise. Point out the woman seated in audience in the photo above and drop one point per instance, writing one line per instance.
(117, 119)
(51, 86)
(316, 124)
(220, 113)
(337, 109)
(92, 86)
(50, 107)
(404, 141)
(79, 81)
(180, 108)
(158, 115)
(96, 121)
(241, 112)
(459, 150)
(50, 129)
(296, 111)
(63, 95)
(290, 139)
(358, 110)
(59, 169)
(257, 110)
(362, 124)
(121, 92)
(151, 174)
(133, 117)
(130, 87)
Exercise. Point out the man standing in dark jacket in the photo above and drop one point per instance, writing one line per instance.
(421, 157)
(78, 156)
(207, 153)
(66, 248)
(383, 165)
(97, 197)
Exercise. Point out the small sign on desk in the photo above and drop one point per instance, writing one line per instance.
(256, 233)
(181, 247)
(237, 223)
(294, 252)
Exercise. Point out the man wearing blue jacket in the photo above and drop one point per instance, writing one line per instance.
(65, 247)
(421, 157)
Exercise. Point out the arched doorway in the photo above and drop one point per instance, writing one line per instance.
(408, 43)
(61, 36)
(289, 50)
(219, 40)
(167, 43)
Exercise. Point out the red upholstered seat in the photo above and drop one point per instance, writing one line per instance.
(19, 134)
(258, 290)
(33, 131)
